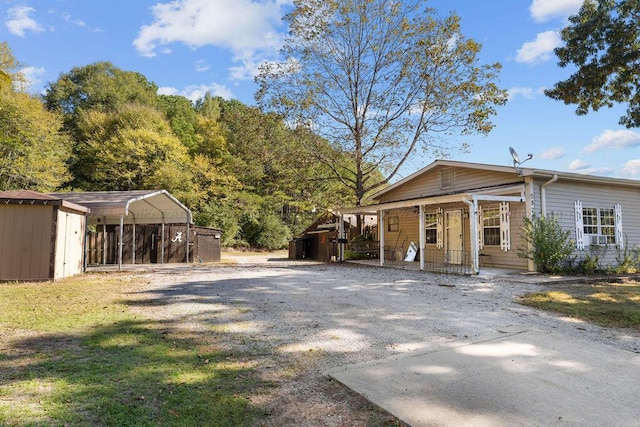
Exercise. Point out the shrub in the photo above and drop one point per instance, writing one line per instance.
(266, 231)
(628, 260)
(548, 245)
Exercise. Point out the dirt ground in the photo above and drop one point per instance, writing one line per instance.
(293, 321)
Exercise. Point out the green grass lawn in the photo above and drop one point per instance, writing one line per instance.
(72, 353)
(606, 304)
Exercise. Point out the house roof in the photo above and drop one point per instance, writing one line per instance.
(35, 198)
(540, 173)
(139, 206)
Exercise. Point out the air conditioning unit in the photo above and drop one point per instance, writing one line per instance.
(598, 240)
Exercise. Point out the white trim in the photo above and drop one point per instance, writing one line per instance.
(618, 218)
(579, 225)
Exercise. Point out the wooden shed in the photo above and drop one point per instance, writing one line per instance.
(41, 236)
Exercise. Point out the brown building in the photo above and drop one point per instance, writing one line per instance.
(41, 236)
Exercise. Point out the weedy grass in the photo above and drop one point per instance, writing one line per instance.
(72, 353)
(605, 304)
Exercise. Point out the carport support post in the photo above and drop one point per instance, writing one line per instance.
(381, 233)
(422, 236)
(187, 244)
(120, 242)
(162, 249)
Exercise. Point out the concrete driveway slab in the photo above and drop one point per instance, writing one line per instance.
(528, 378)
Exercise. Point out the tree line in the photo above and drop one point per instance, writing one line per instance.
(100, 128)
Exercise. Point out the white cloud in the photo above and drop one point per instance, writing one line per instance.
(631, 169)
(202, 66)
(553, 153)
(614, 139)
(196, 92)
(33, 76)
(249, 28)
(540, 49)
(19, 21)
(577, 165)
(525, 92)
(544, 10)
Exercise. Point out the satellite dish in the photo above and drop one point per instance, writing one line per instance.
(516, 158)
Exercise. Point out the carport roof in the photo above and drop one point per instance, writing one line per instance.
(138, 206)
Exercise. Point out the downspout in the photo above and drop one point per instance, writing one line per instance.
(473, 227)
(543, 194)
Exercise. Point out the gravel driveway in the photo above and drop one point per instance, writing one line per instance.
(299, 320)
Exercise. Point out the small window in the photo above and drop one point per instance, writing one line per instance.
(392, 223)
(491, 226)
(446, 178)
(431, 227)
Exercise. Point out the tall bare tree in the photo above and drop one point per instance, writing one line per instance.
(381, 80)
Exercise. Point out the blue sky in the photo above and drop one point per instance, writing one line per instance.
(191, 47)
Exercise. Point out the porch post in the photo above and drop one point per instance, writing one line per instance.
(421, 227)
(381, 237)
(341, 235)
(473, 226)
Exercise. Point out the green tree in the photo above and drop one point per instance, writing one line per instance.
(33, 150)
(182, 117)
(380, 80)
(603, 43)
(97, 87)
(128, 149)
(547, 244)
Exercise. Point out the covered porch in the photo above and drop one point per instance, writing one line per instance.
(460, 233)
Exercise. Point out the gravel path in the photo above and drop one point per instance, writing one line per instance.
(302, 319)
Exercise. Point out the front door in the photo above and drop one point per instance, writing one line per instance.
(453, 236)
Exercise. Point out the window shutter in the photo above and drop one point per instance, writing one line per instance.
(480, 229)
(439, 228)
(505, 227)
(619, 235)
(579, 226)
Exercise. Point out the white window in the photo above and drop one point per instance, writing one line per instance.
(599, 225)
(491, 226)
(431, 227)
(495, 226)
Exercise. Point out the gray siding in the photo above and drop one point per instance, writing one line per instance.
(561, 197)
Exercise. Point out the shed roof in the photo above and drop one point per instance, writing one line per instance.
(138, 206)
(35, 198)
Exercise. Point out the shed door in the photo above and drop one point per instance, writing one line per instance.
(453, 236)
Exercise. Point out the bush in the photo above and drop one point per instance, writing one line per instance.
(548, 245)
(628, 260)
(266, 231)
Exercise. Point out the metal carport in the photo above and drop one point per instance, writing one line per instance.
(132, 207)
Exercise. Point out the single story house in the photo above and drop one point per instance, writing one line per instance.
(460, 216)
(41, 236)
